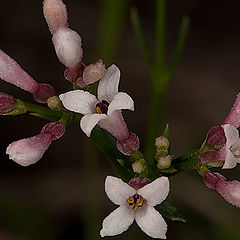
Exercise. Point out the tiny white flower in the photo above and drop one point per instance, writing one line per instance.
(104, 111)
(136, 204)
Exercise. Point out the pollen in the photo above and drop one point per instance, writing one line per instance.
(135, 201)
(102, 107)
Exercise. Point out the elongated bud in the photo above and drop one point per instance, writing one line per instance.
(55, 13)
(7, 104)
(68, 47)
(229, 190)
(29, 150)
(11, 72)
(94, 72)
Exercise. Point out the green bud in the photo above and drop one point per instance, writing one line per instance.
(139, 166)
(163, 162)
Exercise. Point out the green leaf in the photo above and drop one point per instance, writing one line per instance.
(180, 45)
(170, 212)
(141, 39)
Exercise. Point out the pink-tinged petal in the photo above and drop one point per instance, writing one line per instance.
(55, 13)
(216, 137)
(108, 85)
(156, 191)
(121, 101)
(117, 222)
(79, 101)
(94, 72)
(115, 125)
(44, 92)
(230, 191)
(29, 150)
(211, 178)
(129, 145)
(212, 158)
(88, 122)
(230, 160)
(151, 222)
(233, 117)
(231, 134)
(11, 72)
(7, 103)
(117, 190)
(68, 47)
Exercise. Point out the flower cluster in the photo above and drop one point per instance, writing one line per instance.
(222, 149)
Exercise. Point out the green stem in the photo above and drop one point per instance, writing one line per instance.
(155, 124)
(141, 39)
(40, 109)
(189, 161)
(160, 34)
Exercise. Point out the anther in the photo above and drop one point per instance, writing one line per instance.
(102, 107)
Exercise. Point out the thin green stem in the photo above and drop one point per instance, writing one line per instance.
(184, 28)
(160, 34)
(141, 39)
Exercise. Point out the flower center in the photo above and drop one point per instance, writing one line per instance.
(235, 151)
(102, 107)
(136, 201)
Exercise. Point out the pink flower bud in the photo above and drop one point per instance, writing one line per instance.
(29, 150)
(138, 183)
(229, 190)
(7, 104)
(94, 72)
(11, 72)
(55, 13)
(233, 117)
(68, 47)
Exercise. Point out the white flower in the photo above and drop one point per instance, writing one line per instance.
(104, 111)
(136, 205)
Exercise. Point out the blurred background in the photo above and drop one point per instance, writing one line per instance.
(62, 196)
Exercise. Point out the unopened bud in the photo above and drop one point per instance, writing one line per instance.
(55, 103)
(162, 143)
(163, 162)
(94, 72)
(7, 103)
(139, 166)
(55, 13)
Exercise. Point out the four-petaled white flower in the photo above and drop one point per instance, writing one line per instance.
(136, 204)
(104, 111)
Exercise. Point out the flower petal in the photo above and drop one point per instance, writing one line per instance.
(88, 122)
(151, 222)
(108, 85)
(230, 160)
(156, 191)
(117, 190)
(231, 134)
(121, 101)
(117, 222)
(79, 101)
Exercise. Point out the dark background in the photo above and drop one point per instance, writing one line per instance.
(62, 196)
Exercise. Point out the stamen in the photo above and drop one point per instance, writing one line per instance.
(102, 107)
(136, 201)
